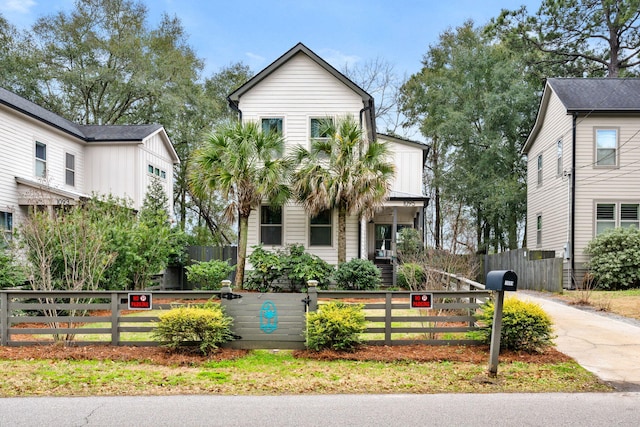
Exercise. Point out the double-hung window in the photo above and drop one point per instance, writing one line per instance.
(271, 225)
(272, 125)
(559, 158)
(70, 169)
(611, 215)
(321, 229)
(41, 160)
(6, 227)
(606, 147)
(539, 230)
(320, 127)
(539, 169)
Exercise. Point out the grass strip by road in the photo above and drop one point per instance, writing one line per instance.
(276, 373)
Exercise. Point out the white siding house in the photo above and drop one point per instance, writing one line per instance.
(583, 156)
(48, 160)
(294, 92)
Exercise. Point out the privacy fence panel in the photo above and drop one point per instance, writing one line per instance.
(534, 271)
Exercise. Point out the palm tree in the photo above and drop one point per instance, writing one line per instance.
(246, 166)
(343, 171)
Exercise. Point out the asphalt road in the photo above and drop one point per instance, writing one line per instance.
(517, 409)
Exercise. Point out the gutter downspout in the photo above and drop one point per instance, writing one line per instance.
(234, 107)
(573, 200)
(372, 125)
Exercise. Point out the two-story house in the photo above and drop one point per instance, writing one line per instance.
(583, 166)
(292, 96)
(47, 160)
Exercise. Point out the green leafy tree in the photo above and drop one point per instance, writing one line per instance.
(344, 172)
(11, 272)
(580, 37)
(246, 166)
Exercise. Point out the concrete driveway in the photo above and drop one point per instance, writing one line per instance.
(602, 343)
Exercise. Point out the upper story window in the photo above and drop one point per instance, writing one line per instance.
(156, 171)
(6, 227)
(320, 229)
(272, 125)
(41, 160)
(559, 155)
(70, 169)
(606, 147)
(319, 127)
(271, 225)
(539, 169)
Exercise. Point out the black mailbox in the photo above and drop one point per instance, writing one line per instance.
(501, 280)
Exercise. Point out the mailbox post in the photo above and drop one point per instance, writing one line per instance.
(499, 281)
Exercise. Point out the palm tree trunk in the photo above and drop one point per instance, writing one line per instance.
(242, 250)
(342, 235)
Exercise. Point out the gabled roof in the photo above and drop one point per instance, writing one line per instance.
(87, 133)
(367, 99)
(399, 140)
(585, 96)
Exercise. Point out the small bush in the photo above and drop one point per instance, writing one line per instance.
(615, 258)
(525, 326)
(335, 326)
(11, 273)
(209, 274)
(411, 276)
(207, 327)
(358, 275)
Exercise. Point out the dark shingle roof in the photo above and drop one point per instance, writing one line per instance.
(601, 95)
(85, 132)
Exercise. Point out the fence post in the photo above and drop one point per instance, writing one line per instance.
(4, 318)
(387, 318)
(312, 292)
(115, 319)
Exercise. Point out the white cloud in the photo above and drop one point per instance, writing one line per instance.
(254, 57)
(338, 59)
(18, 6)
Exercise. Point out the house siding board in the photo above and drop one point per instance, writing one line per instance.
(408, 165)
(113, 170)
(550, 199)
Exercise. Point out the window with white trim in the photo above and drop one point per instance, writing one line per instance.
(41, 160)
(70, 169)
(612, 215)
(272, 124)
(539, 169)
(559, 160)
(321, 229)
(319, 127)
(271, 225)
(539, 230)
(606, 147)
(153, 170)
(6, 227)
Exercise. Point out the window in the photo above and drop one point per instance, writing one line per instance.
(605, 217)
(629, 215)
(606, 147)
(41, 160)
(319, 127)
(70, 169)
(272, 125)
(156, 171)
(539, 230)
(539, 169)
(6, 227)
(271, 225)
(559, 153)
(320, 229)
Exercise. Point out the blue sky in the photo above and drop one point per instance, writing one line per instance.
(257, 32)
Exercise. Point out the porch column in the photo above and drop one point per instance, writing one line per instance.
(394, 245)
(363, 239)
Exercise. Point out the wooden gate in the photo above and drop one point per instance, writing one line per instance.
(266, 320)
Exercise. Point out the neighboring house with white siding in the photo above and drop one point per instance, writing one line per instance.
(47, 160)
(583, 166)
(291, 96)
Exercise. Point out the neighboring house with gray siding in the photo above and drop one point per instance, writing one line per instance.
(291, 95)
(583, 166)
(47, 160)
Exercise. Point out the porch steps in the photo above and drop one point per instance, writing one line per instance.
(387, 274)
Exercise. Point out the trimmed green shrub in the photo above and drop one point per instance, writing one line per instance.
(358, 275)
(525, 326)
(207, 327)
(11, 273)
(615, 258)
(411, 276)
(336, 325)
(209, 274)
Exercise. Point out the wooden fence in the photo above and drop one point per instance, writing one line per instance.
(533, 274)
(101, 317)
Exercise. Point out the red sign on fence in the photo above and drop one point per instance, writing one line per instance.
(140, 301)
(421, 300)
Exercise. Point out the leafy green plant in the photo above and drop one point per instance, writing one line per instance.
(267, 268)
(409, 244)
(615, 258)
(358, 275)
(209, 274)
(411, 275)
(525, 326)
(11, 274)
(336, 325)
(207, 326)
